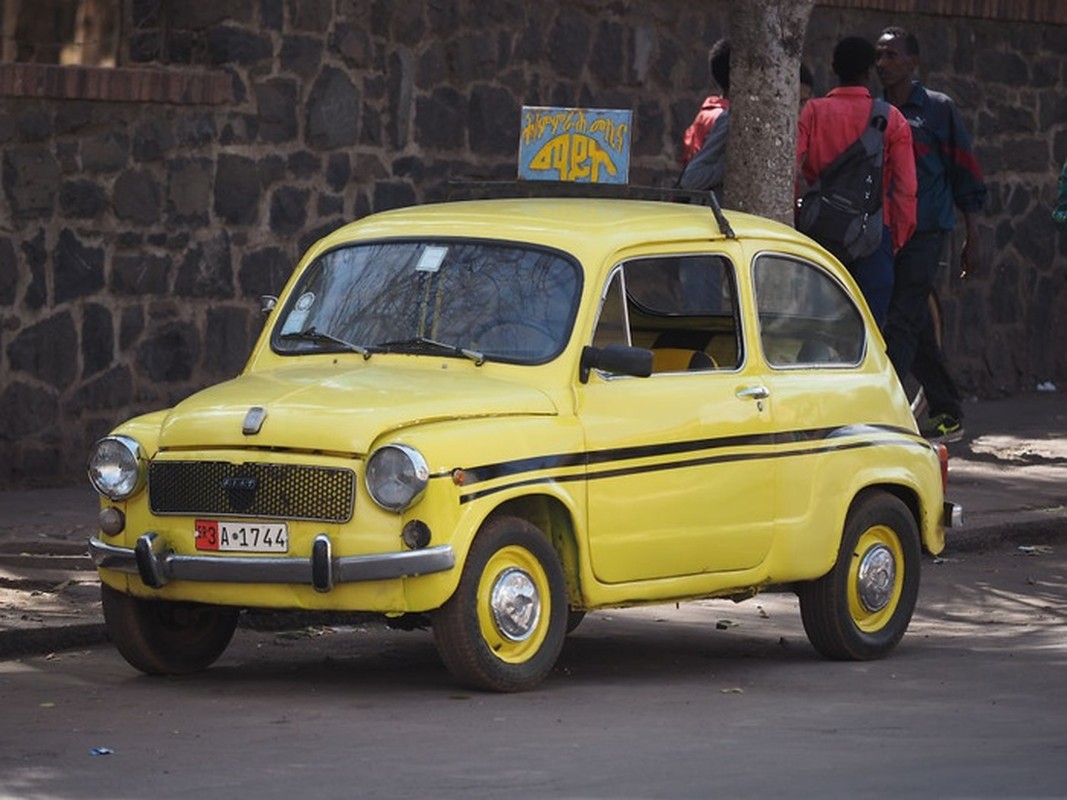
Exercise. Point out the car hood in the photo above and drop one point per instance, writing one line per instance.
(340, 411)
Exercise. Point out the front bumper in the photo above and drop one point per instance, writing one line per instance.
(157, 565)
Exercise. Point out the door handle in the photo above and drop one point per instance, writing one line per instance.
(754, 393)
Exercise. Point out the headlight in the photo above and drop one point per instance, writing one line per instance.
(396, 476)
(116, 467)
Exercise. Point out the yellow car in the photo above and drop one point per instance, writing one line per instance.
(501, 414)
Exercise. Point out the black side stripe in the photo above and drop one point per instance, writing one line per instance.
(488, 472)
(686, 464)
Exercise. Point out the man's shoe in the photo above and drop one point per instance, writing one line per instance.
(942, 428)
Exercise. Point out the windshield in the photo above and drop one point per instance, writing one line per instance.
(474, 299)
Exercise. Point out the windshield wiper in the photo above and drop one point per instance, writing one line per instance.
(420, 344)
(312, 335)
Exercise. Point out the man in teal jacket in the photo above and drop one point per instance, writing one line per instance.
(948, 179)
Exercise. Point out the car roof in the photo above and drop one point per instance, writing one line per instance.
(565, 223)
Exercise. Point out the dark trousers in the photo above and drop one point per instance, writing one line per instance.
(909, 330)
(874, 275)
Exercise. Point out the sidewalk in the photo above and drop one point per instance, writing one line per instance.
(1009, 472)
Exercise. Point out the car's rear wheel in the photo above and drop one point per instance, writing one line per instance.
(503, 628)
(165, 638)
(861, 608)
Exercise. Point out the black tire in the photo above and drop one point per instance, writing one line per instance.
(509, 557)
(574, 619)
(164, 638)
(861, 608)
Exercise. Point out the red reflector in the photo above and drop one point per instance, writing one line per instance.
(942, 455)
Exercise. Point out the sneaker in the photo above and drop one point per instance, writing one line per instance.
(942, 428)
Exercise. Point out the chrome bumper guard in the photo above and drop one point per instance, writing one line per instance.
(952, 515)
(157, 565)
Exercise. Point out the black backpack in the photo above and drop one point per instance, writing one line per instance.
(842, 210)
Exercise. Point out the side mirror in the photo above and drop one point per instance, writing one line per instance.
(267, 303)
(617, 359)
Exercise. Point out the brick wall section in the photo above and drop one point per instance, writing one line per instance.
(136, 237)
(144, 85)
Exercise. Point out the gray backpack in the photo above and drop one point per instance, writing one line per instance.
(842, 210)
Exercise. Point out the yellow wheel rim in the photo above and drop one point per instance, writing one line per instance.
(875, 578)
(514, 604)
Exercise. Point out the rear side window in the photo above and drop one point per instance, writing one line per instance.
(806, 316)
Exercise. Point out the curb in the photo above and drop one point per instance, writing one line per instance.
(1033, 531)
(41, 641)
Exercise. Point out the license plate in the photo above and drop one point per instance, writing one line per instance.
(242, 537)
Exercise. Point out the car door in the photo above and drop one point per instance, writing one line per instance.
(677, 480)
(823, 395)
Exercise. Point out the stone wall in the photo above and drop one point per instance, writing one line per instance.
(136, 237)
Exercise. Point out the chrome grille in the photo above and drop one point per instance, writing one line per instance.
(221, 488)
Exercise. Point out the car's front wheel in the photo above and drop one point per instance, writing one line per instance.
(861, 608)
(166, 638)
(503, 628)
(574, 619)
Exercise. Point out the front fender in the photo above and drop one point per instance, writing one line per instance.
(481, 466)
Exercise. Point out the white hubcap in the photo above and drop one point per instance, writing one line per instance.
(877, 574)
(516, 604)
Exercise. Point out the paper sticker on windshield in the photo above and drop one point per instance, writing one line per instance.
(431, 259)
(295, 321)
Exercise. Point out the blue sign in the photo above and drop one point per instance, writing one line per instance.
(579, 145)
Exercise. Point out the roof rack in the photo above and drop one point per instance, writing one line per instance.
(489, 190)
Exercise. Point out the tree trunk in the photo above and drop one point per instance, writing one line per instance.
(766, 43)
(9, 51)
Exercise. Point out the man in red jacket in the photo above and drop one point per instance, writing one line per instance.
(713, 106)
(827, 126)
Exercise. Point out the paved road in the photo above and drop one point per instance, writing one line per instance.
(708, 699)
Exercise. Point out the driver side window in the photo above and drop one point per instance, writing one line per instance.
(681, 307)
(611, 327)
